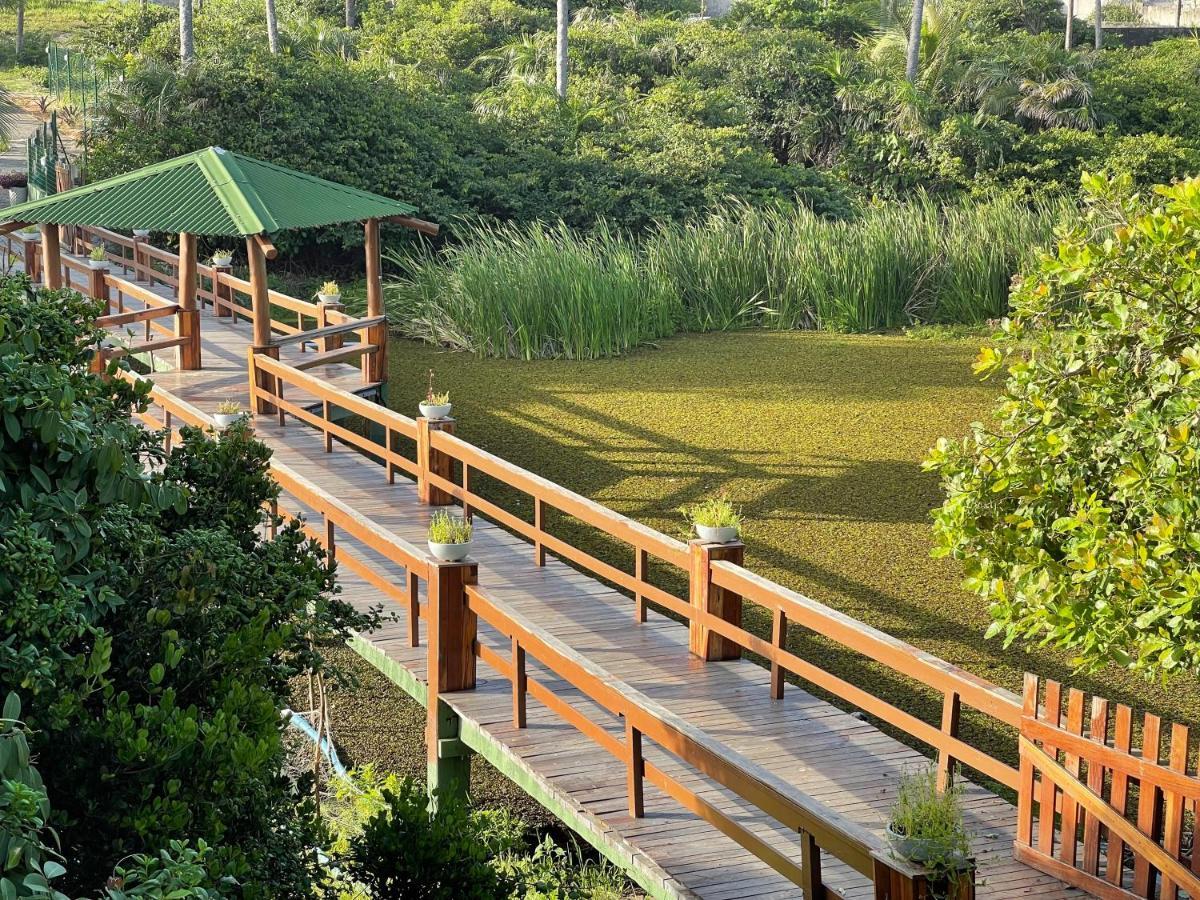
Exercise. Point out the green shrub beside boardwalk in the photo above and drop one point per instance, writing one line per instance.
(534, 291)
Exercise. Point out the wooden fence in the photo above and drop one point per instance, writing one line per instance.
(1099, 812)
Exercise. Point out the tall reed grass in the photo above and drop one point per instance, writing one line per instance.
(537, 291)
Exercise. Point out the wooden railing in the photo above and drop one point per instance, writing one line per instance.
(1095, 810)
(24, 249)
(310, 324)
(717, 586)
(456, 602)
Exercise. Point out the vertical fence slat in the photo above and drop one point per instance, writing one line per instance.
(1122, 740)
(1052, 713)
(1025, 782)
(520, 684)
(1173, 817)
(1149, 803)
(1069, 833)
(641, 560)
(1095, 781)
(779, 628)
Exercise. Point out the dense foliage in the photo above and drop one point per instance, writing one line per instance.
(1075, 510)
(150, 626)
(451, 104)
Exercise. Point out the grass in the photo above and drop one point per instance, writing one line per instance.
(818, 440)
(533, 292)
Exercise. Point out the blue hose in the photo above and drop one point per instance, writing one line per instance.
(302, 724)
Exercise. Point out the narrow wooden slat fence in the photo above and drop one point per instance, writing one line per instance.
(1097, 810)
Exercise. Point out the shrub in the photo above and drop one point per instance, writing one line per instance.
(1074, 510)
(150, 622)
(447, 529)
(930, 823)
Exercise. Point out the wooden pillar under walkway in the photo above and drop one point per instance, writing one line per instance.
(374, 365)
(51, 257)
(187, 321)
(260, 306)
(451, 648)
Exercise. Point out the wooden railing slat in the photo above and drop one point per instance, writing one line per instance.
(1175, 802)
(1068, 835)
(1052, 713)
(1095, 780)
(1149, 805)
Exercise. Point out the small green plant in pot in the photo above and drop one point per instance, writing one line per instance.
(222, 259)
(330, 294)
(436, 405)
(449, 536)
(229, 412)
(926, 828)
(715, 520)
(97, 258)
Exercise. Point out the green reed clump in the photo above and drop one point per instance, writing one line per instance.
(532, 292)
(540, 291)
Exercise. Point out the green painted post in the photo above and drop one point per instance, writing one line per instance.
(451, 632)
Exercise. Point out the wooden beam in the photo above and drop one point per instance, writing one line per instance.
(416, 224)
(51, 257)
(10, 227)
(187, 323)
(374, 365)
(266, 246)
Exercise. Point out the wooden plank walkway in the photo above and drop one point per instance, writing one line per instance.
(831, 755)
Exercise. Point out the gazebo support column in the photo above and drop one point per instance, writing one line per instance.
(374, 365)
(51, 257)
(260, 305)
(187, 322)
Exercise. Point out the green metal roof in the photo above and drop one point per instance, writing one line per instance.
(212, 192)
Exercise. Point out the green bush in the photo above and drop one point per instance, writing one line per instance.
(1074, 510)
(153, 637)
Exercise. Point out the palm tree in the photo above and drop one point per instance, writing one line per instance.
(1039, 84)
(187, 40)
(1099, 23)
(560, 54)
(272, 27)
(914, 40)
(351, 14)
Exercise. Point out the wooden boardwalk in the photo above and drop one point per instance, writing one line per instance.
(801, 743)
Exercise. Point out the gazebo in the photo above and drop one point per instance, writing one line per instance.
(218, 193)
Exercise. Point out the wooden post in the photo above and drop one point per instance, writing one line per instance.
(374, 365)
(137, 257)
(187, 320)
(706, 596)
(947, 765)
(432, 462)
(260, 304)
(451, 667)
(97, 286)
(33, 259)
(51, 257)
(333, 341)
(222, 293)
(892, 883)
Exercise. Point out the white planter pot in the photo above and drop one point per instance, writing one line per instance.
(97, 263)
(222, 262)
(141, 233)
(224, 420)
(18, 195)
(330, 299)
(30, 235)
(436, 410)
(450, 552)
(724, 535)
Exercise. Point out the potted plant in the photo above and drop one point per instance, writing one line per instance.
(330, 294)
(16, 186)
(222, 259)
(926, 828)
(141, 233)
(715, 519)
(435, 405)
(229, 412)
(449, 536)
(97, 258)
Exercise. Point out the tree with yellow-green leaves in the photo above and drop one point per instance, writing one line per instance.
(1075, 510)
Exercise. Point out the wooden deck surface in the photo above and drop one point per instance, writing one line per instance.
(832, 755)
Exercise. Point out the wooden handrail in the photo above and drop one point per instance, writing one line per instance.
(314, 334)
(137, 315)
(854, 845)
(137, 292)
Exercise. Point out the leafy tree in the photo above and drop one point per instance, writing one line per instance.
(1074, 510)
(149, 623)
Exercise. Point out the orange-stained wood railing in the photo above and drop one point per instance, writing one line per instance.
(308, 324)
(716, 586)
(456, 602)
(1091, 802)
